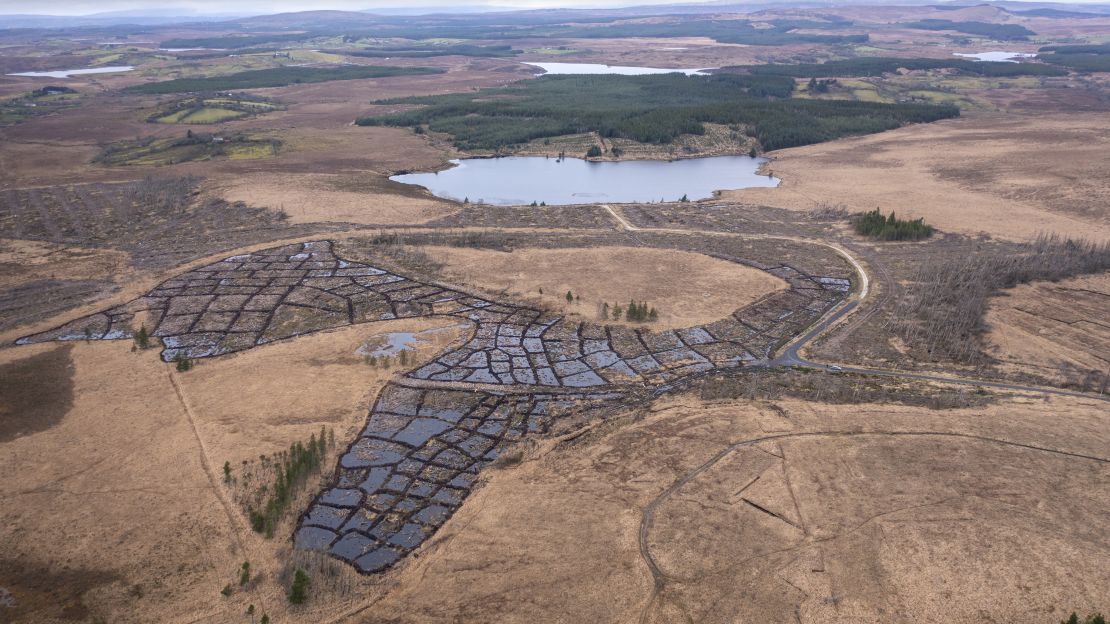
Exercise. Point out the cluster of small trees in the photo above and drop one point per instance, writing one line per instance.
(819, 86)
(251, 611)
(182, 363)
(1094, 618)
(890, 227)
(292, 469)
(636, 312)
(142, 338)
(244, 577)
(385, 361)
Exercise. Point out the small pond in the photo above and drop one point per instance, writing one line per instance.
(592, 68)
(997, 56)
(524, 179)
(392, 343)
(66, 73)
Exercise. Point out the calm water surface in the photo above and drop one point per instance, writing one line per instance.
(592, 68)
(522, 180)
(997, 56)
(66, 73)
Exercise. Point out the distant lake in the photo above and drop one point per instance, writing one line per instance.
(523, 179)
(997, 57)
(66, 73)
(592, 68)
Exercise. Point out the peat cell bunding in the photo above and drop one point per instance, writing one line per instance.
(432, 429)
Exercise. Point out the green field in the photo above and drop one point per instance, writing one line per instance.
(212, 110)
(554, 51)
(37, 103)
(190, 148)
(204, 115)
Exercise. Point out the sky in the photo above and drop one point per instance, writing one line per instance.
(261, 7)
(86, 7)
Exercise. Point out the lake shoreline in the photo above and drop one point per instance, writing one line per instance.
(532, 179)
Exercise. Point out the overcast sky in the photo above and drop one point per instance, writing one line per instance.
(185, 7)
(85, 7)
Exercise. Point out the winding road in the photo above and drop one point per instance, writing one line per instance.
(790, 356)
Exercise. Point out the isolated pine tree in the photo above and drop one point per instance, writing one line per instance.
(298, 591)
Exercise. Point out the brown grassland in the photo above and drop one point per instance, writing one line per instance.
(808, 497)
(688, 289)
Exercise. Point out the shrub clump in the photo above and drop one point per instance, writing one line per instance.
(290, 472)
(298, 591)
(890, 227)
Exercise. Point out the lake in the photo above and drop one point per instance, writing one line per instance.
(524, 179)
(593, 68)
(66, 73)
(998, 57)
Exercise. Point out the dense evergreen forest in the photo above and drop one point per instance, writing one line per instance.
(877, 66)
(277, 77)
(649, 109)
(1087, 58)
(998, 32)
(232, 42)
(428, 51)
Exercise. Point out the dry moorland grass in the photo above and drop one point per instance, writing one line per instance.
(23, 261)
(1010, 176)
(361, 197)
(1052, 329)
(107, 478)
(864, 527)
(686, 288)
(125, 523)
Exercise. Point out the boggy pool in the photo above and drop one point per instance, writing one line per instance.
(525, 179)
